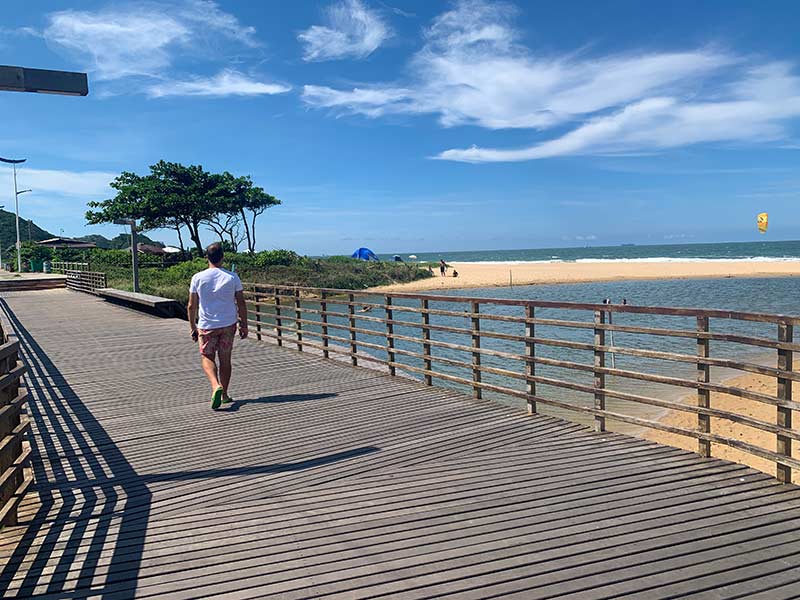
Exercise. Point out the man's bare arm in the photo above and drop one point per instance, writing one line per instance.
(191, 310)
(241, 307)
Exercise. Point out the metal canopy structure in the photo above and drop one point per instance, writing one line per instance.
(43, 81)
(62, 242)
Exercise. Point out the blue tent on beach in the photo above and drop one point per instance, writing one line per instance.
(364, 254)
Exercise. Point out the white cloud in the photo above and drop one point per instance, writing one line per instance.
(225, 83)
(352, 31)
(754, 110)
(84, 184)
(472, 70)
(142, 39)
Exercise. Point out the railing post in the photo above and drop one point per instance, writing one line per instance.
(785, 358)
(351, 311)
(7, 394)
(258, 312)
(426, 338)
(278, 320)
(390, 335)
(703, 396)
(476, 356)
(297, 323)
(323, 307)
(599, 363)
(530, 353)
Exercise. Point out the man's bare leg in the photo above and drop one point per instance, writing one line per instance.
(225, 370)
(210, 368)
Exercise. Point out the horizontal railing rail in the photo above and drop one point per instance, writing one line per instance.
(556, 354)
(63, 267)
(85, 281)
(16, 475)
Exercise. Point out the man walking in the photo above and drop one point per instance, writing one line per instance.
(218, 294)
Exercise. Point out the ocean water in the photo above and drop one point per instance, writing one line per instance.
(735, 251)
(772, 295)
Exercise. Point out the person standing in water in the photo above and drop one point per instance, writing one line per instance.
(216, 305)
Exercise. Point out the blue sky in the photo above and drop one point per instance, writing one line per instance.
(424, 126)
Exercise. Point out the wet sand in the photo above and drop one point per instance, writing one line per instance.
(480, 275)
(751, 408)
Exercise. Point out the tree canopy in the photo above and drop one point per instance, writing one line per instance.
(175, 196)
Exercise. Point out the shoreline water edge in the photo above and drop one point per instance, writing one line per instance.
(477, 275)
(505, 274)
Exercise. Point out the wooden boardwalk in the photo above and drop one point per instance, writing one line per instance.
(328, 481)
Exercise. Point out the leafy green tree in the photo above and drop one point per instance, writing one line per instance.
(175, 196)
(236, 222)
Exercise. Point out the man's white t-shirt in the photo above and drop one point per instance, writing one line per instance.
(216, 289)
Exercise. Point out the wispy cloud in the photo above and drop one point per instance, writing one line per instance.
(473, 70)
(351, 31)
(130, 45)
(141, 39)
(225, 83)
(83, 184)
(755, 109)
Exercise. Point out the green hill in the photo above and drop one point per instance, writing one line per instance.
(100, 240)
(121, 242)
(27, 230)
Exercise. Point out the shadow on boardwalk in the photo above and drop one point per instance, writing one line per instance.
(279, 399)
(93, 503)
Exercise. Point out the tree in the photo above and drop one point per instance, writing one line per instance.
(255, 203)
(176, 196)
(244, 204)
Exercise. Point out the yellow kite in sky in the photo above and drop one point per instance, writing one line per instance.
(762, 222)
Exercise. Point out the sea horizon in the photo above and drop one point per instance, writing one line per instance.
(763, 251)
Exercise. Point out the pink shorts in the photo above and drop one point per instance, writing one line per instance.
(219, 340)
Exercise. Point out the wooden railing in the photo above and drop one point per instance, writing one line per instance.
(527, 349)
(15, 473)
(85, 281)
(63, 267)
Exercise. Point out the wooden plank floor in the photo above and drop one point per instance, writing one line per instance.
(327, 481)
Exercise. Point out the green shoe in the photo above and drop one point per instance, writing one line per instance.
(226, 399)
(216, 398)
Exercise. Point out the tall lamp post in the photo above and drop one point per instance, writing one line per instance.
(42, 81)
(14, 162)
(19, 193)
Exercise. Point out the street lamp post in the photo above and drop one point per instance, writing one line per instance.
(14, 162)
(43, 81)
(19, 193)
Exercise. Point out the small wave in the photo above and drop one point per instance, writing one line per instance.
(665, 259)
(508, 262)
(650, 259)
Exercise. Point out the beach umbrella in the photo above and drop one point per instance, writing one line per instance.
(763, 220)
(364, 254)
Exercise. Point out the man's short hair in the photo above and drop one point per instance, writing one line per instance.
(214, 253)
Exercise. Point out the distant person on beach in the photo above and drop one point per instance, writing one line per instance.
(442, 267)
(455, 273)
(216, 296)
(430, 270)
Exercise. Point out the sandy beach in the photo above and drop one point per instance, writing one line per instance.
(757, 410)
(478, 275)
